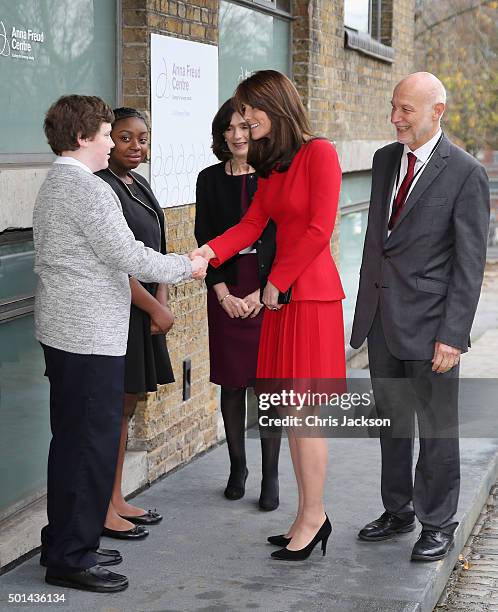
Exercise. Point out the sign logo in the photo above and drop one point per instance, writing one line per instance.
(162, 82)
(20, 42)
(4, 41)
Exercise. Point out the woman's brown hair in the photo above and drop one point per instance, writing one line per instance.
(273, 93)
(220, 125)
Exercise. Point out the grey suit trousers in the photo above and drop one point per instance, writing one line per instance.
(403, 390)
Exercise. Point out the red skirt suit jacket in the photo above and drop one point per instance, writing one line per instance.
(303, 203)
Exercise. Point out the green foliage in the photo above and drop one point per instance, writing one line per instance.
(458, 42)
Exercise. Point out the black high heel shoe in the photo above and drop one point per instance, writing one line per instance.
(236, 488)
(278, 540)
(299, 555)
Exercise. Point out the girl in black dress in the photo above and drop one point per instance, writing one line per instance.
(147, 362)
(224, 193)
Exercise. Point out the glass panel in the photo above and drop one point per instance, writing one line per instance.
(17, 278)
(284, 5)
(249, 40)
(49, 48)
(352, 236)
(24, 414)
(355, 190)
(356, 14)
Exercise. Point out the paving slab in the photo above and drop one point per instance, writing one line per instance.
(210, 554)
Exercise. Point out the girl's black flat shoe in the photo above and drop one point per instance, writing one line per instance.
(279, 540)
(136, 533)
(151, 517)
(322, 536)
(236, 487)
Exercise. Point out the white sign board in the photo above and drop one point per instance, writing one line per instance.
(184, 100)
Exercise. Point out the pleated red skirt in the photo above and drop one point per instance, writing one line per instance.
(304, 339)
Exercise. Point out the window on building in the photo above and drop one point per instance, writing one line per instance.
(357, 15)
(24, 393)
(353, 203)
(368, 27)
(49, 48)
(252, 36)
(283, 5)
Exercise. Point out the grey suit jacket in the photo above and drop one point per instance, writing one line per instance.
(426, 276)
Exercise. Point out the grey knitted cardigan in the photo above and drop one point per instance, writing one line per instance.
(84, 252)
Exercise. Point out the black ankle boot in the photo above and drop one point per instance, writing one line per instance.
(233, 411)
(268, 499)
(236, 486)
(270, 450)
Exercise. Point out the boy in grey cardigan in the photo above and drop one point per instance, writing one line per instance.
(85, 253)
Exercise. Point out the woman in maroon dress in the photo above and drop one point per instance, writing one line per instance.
(304, 339)
(224, 193)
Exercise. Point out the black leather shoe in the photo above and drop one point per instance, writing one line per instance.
(236, 486)
(432, 545)
(268, 499)
(96, 579)
(137, 533)
(151, 517)
(386, 527)
(279, 540)
(105, 556)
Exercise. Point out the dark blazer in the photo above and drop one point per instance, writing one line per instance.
(426, 276)
(157, 240)
(217, 208)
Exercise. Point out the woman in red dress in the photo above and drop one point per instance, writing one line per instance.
(303, 339)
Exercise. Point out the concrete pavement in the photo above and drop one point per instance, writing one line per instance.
(210, 554)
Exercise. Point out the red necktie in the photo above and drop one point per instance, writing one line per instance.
(402, 191)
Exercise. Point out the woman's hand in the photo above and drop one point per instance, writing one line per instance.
(270, 297)
(162, 294)
(161, 320)
(234, 307)
(253, 303)
(203, 251)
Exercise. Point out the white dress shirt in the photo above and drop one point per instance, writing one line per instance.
(423, 155)
(71, 161)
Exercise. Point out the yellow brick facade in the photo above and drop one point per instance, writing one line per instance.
(347, 96)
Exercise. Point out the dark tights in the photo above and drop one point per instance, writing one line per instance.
(233, 411)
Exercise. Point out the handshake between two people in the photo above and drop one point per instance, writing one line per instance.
(234, 306)
(199, 259)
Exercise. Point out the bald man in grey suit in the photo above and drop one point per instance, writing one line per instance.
(420, 280)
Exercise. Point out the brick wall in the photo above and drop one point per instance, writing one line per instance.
(172, 431)
(347, 95)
